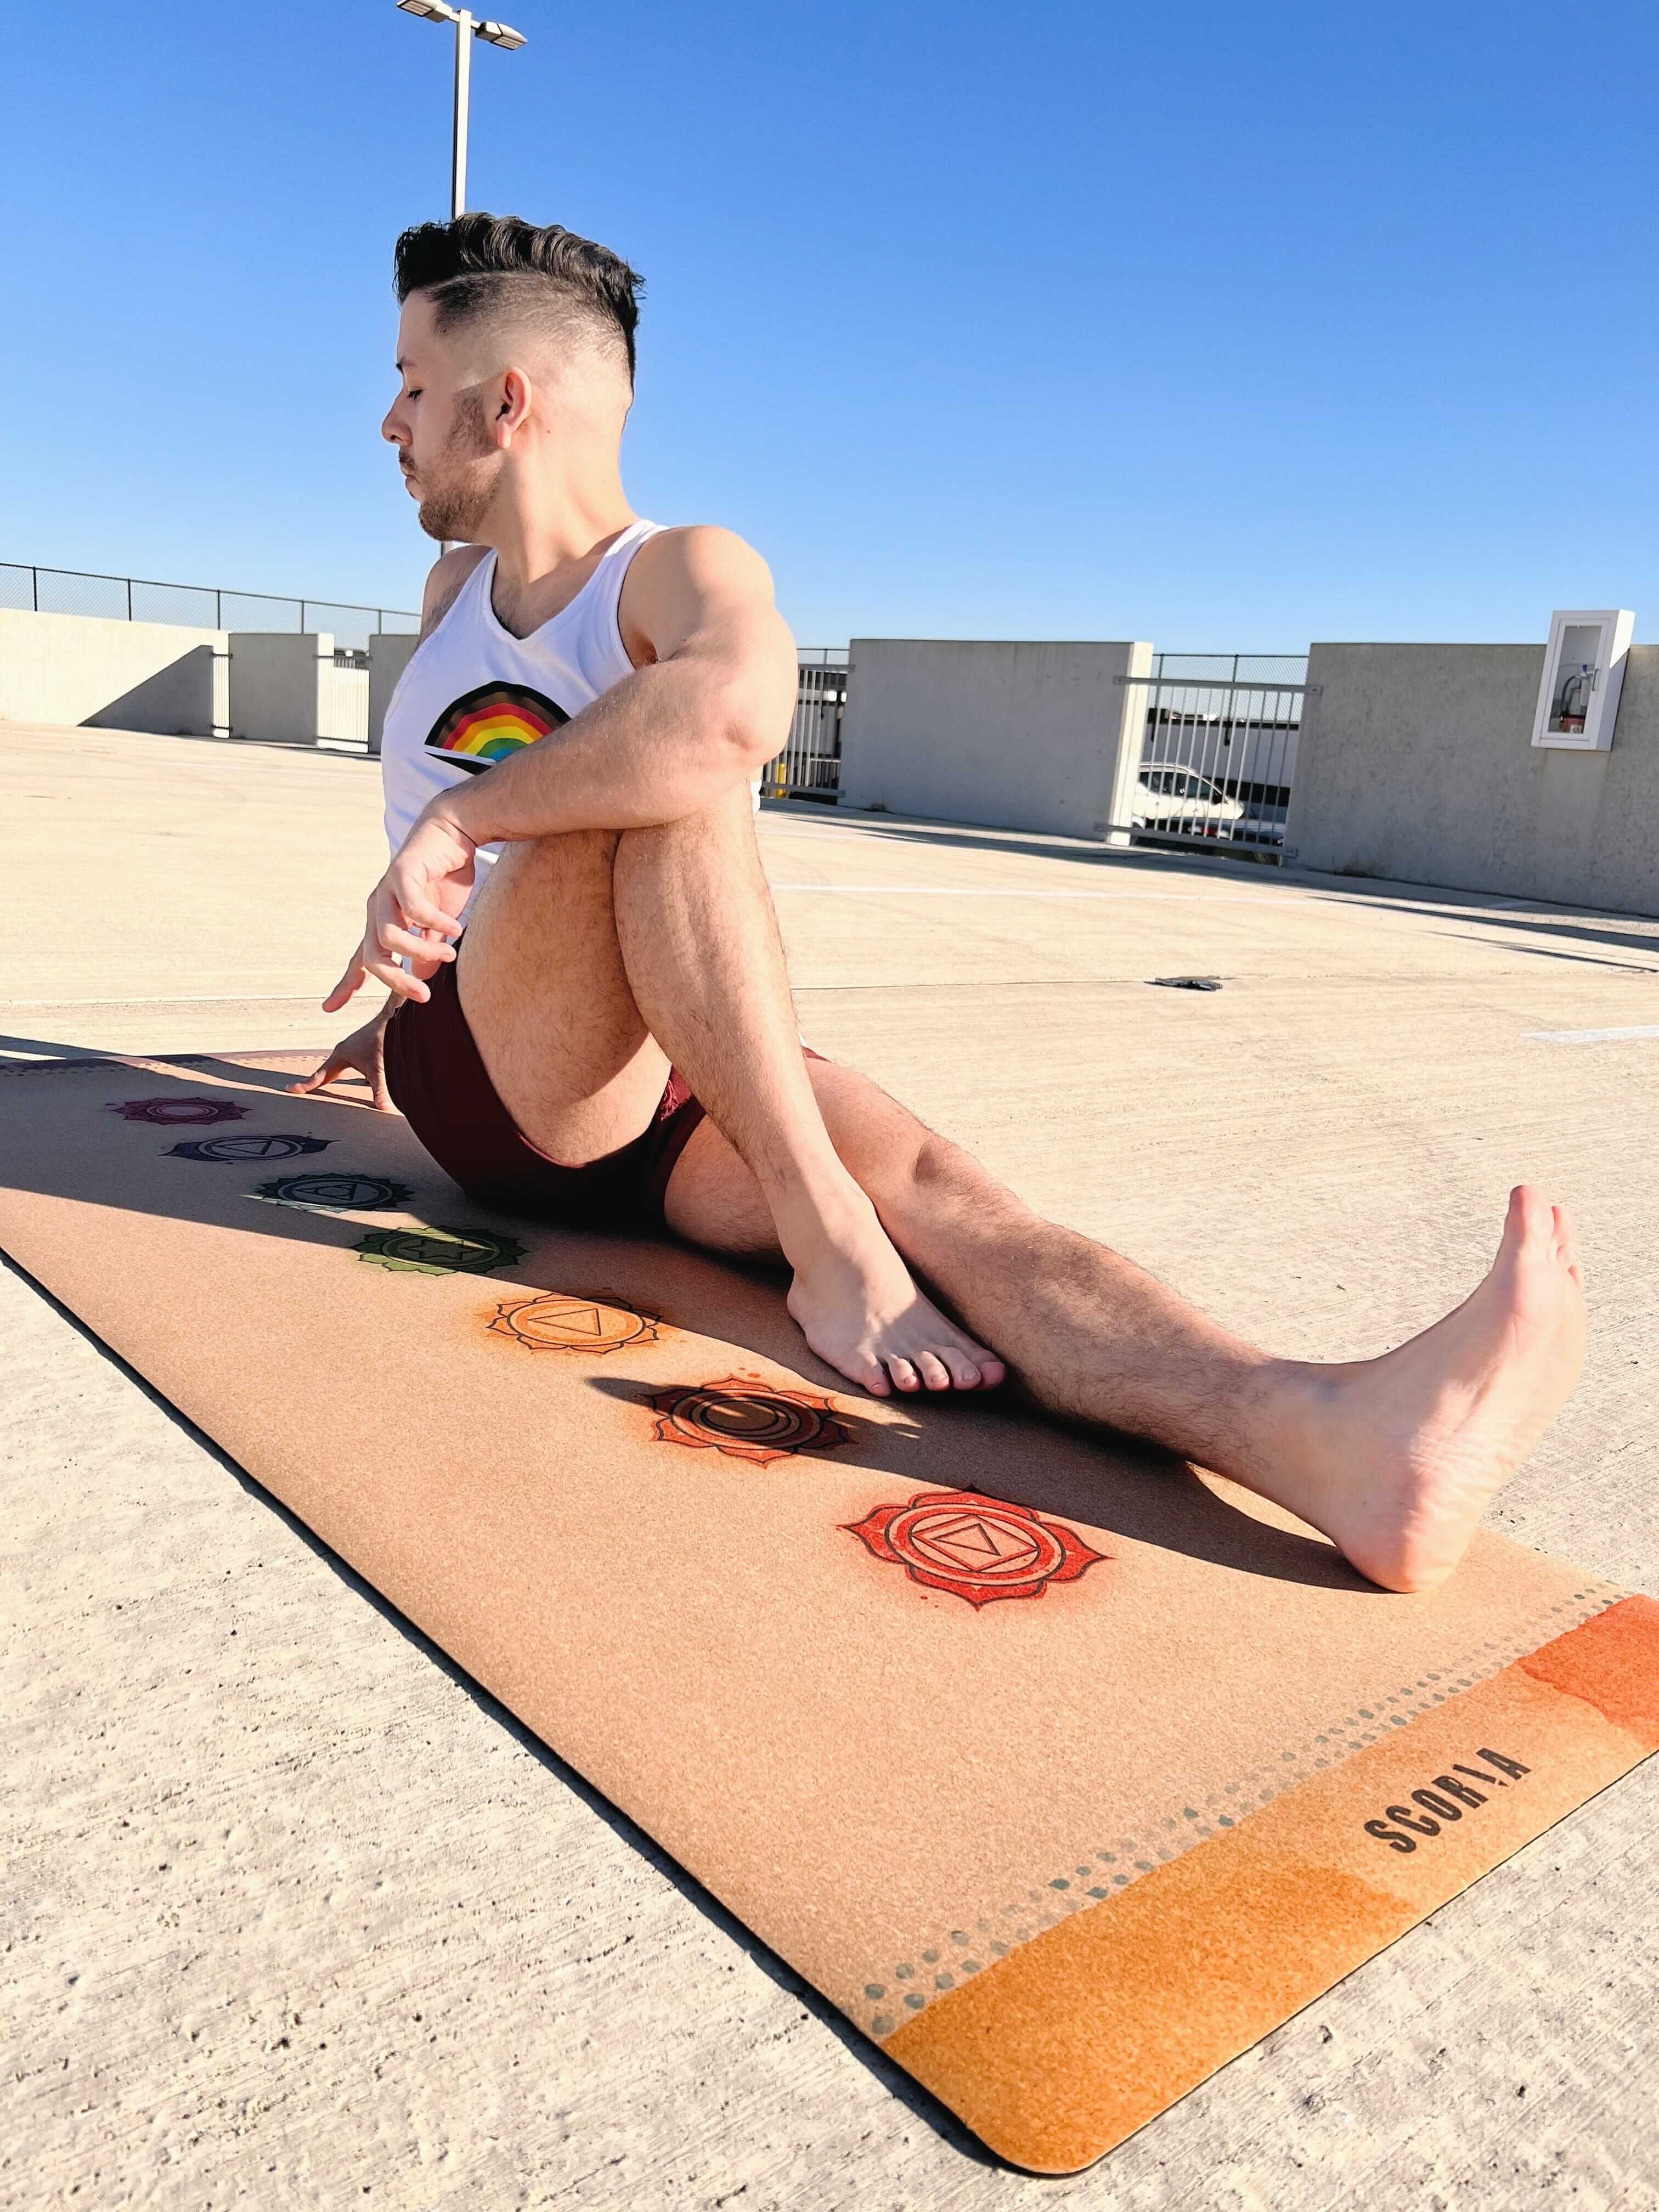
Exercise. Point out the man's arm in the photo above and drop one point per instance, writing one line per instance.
(708, 710)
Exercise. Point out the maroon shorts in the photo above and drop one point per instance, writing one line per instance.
(439, 1084)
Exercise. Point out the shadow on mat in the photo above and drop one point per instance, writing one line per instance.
(869, 2055)
(997, 1445)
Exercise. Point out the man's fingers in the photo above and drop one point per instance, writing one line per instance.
(331, 1067)
(421, 912)
(349, 984)
(393, 940)
(399, 980)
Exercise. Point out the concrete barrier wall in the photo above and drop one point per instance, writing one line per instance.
(277, 685)
(1015, 736)
(390, 652)
(113, 675)
(1416, 763)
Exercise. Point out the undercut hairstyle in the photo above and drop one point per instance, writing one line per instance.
(495, 268)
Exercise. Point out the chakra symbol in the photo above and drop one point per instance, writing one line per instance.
(555, 1323)
(442, 1250)
(180, 1109)
(362, 1193)
(246, 1146)
(746, 1419)
(979, 1548)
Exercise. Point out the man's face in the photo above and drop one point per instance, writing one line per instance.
(439, 425)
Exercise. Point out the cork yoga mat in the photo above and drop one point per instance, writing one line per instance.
(1065, 1771)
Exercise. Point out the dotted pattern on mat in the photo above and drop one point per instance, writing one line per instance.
(954, 1956)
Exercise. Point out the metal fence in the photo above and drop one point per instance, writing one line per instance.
(203, 606)
(1218, 752)
(809, 767)
(342, 703)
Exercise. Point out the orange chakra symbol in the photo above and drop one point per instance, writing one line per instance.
(980, 1548)
(558, 1323)
(746, 1419)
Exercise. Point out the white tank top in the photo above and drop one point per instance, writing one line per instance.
(472, 694)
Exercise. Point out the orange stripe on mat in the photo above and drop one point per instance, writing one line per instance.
(1066, 2047)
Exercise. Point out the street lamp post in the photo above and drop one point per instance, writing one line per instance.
(467, 27)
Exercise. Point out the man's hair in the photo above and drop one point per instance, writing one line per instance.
(483, 267)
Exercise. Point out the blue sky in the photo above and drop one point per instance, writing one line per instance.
(1230, 326)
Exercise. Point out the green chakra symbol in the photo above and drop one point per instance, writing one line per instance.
(441, 1250)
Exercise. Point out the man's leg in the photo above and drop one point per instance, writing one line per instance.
(594, 960)
(1393, 1458)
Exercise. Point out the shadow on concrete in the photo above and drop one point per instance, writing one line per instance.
(1437, 903)
(1551, 952)
(1033, 845)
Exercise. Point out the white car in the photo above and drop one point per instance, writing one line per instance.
(1175, 797)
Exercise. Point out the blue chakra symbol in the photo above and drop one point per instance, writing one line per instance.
(247, 1147)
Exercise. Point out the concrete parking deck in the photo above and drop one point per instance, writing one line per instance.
(296, 1916)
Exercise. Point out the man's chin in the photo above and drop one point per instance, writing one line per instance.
(439, 522)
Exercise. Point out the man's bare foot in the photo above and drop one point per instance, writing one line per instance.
(1404, 1451)
(857, 1307)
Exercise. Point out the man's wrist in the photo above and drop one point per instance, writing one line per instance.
(452, 810)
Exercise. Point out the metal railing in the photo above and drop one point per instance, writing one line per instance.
(1219, 752)
(29, 589)
(809, 767)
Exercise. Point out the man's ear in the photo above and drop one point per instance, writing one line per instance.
(512, 406)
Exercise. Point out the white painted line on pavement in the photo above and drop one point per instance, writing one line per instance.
(178, 998)
(1589, 1037)
(970, 890)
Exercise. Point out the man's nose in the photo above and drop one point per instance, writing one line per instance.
(390, 429)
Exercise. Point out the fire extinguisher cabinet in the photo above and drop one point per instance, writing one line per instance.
(1584, 672)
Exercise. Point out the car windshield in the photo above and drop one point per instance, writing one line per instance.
(1174, 783)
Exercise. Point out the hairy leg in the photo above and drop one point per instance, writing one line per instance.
(1393, 1458)
(594, 960)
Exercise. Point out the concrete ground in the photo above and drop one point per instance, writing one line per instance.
(294, 1915)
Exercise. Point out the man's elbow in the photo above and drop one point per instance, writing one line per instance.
(751, 723)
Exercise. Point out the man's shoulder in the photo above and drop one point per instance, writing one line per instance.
(698, 556)
(444, 581)
(688, 544)
(678, 577)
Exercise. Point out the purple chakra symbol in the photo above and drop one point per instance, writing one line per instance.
(171, 1110)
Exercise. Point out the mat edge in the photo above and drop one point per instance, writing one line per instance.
(920, 2045)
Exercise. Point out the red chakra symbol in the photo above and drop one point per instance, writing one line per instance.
(746, 1419)
(173, 1111)
(980, 1548)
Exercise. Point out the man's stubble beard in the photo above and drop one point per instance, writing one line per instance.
(454, 507)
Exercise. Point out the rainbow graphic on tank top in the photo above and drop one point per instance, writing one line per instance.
(491, 723)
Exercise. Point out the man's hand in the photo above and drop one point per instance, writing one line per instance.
(413, 912)
(364, 1053)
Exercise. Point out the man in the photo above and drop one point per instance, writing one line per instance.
(567, 762)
